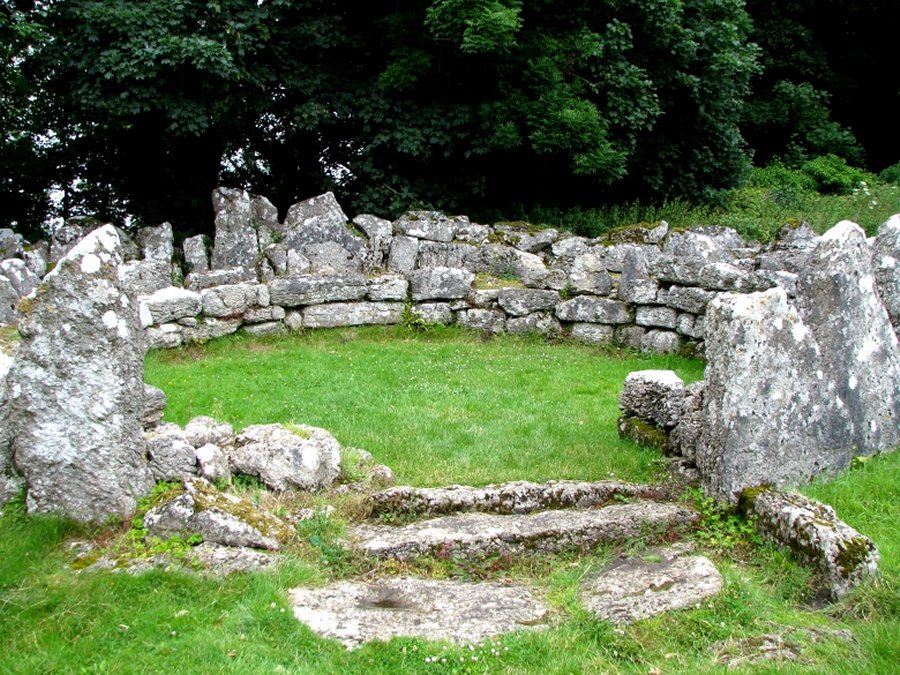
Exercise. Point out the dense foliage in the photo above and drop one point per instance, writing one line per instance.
(140, 107)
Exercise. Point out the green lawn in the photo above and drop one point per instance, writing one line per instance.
(438, 407)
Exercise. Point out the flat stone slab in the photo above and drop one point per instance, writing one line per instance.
(632, 589)
(478, 535)
(464, 612)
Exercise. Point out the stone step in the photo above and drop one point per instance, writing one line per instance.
(513, 497)
(477, 535)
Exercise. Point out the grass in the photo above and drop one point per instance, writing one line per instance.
(384, 389)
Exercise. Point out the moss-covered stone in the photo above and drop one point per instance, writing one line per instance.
(643, 433)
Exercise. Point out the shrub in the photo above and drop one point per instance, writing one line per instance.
(891, 174)
(832, 175)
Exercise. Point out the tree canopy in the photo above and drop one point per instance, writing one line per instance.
(141, 107)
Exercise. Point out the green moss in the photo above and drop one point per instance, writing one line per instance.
(628, 234)
(643, 433)
(853, 553)
(488, 282)
(298, 430)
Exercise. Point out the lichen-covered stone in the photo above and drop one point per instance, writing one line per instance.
(886, 267)
(236, 243)
(203, 430)
(337, 314)
(301, 457)
(431, 225)
(593, 310)
(654, 316)
(813, 532)
(589, 275)
(635, 284)
(432, 312)
(646, 434)
(10, 480)
(77, 389)
(210, 329)
(317, 228)
(11, 244)
(154, 406)
(440, 254)
(485, 320)
(685, 437)
(593, 333)
(540, 323)
(316, 289)
(264, 314)
(404, 253)
(197, 281)
(164, 336)
(169, 304)
(196, 257)
(387, 287)
(157, 243)
(524, 301)
(169, 455)
(661, 342)
(23, 280)
(440, 283)
(653, 395)
(145, 277)
(233, 299)
(686, 298)
(212, 463)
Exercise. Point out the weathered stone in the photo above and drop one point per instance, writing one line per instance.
(293, 320)
(485, 320)
(316, 289)
(9, 300)
(318, 229)
(264, 218)
(277, 257)
(145, 277)
(154, 406)
(570, 247)
(687, 298)
(660, 317)
(542, 323)
(403, 254)
(473, 233)
(211, 329)
(593, 333)
(168, 304)
(630, 336)
(589, 275)
(593, 310)
(169, 455)
(37, 257)
(10, 480)
(654, 396)
(301, 457)
(11, 244)
(212, 463)
(65, 237)
(789, 256)
(661, 342)
(77, 388)
(265, 328)
(631, 589)
(352, 314)
(764, 375)
(433, 312)
(690, 325)
(157, 243)
(197, 281)
(763, 280)
(506, 262)
(616, 256)
(431, 225)
(223, 560)
(387, 287)
(22, 279)
(440, 283)
(217, 517)
(357, 612)
(517, 497)
(233, 300)
(478, 535)
(196, 258)
(859, 349)
(719, 276)
(165, 336)
(541, 240)
(236, 243)
(813, 532)
(886, 267)
(635, 284)
(203, 430)
(698, 248)
(645, 434)
(440, 254)
(264, 314)
(686, 435)
(484, 298)
(523, 301)
(529, 268)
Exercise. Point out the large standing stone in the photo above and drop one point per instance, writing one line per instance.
(837, 300)
(772, 414)
(10, 481)
(317, 228)
(236, 243)
(886, 264)
(635, 284)
(196, 259)
(157, 243)
(300, 457)
(78, 389)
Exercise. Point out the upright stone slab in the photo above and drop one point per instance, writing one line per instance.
(837, 299)
(236, 244)
(772, 415)
(886, 264)
(10, 481)
(317, 228)
(77, 389)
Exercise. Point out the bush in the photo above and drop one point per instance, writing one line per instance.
(776, 176)
(891, 174)
(832, 175)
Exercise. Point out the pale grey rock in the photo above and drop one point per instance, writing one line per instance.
(686, 298)
(157, 243)
(10, 480)
(789, 255)
(387, 287)
(11, 244)
(507, 262)
(813, 531)
(403, 254)
(726, 237)
(223, 560)
(478, 535)
(277, 257)
(9, 300)
(154, 406)
(484, 298)
(77, 389)
(632, 589)
(440, 283)
(473, 233)
(236, 243)
(204, 430)
(655, 396)
(529, 268)
(188, 321)
(589, 275)
(297, 264)
(22, 279)
(523, 301)
(541, 240)
(763, 280)
(697, 247)
(593, 333)
(661, 342)
(433, 312)
(37, 257)
(318, 229)
(329, 257)
(458, 305)
(145, 277)
(212, 463)
(440, 254)
(517, 497)
(164, 336)
(630, 336)
(196, 257)
(210, 329)
(795, 234)
(65, 237)
(197, 281)
(654, 316)
(557, 276)
(764, 373)
(685, 437)
(169, 455)
(265, 328)
(218, 517)
(169, 304)
(431, 225)
(234, 299)
(352, 314)
(485, 320)
(593, 310)
(264, 314)
(302, 457)
(293, 320)
(635, 284)
(720, 276)
(837, 300)
(616, 256)
(886, 267)
(374, 227)
(264, 218)
(570, 247)
(357, 612)
(691, 326)
(542, 323)
(316, 289)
